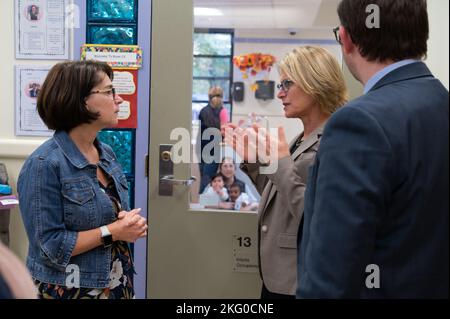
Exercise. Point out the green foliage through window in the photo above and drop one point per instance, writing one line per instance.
(213, 43)
(212, 66)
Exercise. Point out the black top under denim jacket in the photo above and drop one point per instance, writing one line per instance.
(120, 276)
(60, 196)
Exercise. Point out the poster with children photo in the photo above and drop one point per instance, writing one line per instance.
(32, 89)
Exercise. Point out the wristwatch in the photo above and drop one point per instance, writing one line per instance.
(106, 237)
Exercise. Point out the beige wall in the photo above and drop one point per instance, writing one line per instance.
(273, 109)
(437, 61)
(438, 53)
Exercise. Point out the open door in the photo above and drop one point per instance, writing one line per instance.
(191, 254)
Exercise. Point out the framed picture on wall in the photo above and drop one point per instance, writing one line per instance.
(29, 80)
(40, 29)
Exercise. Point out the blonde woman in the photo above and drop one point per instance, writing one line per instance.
(311, 88)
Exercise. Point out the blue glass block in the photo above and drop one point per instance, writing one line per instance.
(106, 34)
(131, 193)
(129, 190)
(122, 144)
(112, 10)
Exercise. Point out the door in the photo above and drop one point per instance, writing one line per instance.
(191, 254)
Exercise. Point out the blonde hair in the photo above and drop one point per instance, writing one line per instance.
(318, 74)
(215, 95)
(215, 91)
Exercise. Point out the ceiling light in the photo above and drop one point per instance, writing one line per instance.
(207, 12)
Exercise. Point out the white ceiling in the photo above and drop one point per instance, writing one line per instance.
(269, 14)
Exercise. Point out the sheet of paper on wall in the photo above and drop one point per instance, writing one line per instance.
(29, 80)
(42, 28)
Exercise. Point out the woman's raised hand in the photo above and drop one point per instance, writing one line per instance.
(256, 143)
(272, 146)
(242, 140)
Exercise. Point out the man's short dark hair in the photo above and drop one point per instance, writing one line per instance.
(403, 31)
(61, 100)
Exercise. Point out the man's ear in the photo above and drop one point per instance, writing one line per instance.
(347, 43)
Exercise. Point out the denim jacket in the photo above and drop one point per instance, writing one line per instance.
(60, 196)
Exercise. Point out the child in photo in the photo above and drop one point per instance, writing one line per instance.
(216, 186)
(241, 200)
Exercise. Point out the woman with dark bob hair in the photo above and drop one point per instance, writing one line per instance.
(73, 193)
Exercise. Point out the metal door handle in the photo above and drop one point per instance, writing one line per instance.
(171, 180)
(166, 172)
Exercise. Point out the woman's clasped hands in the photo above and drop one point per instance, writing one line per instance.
(129, 226)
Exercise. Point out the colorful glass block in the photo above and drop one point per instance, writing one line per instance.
(122, 143)
(112, 10)
(108, 34)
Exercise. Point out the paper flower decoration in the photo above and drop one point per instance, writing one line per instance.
(253, 63)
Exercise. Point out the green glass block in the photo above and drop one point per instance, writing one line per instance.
(106, 34)
(122, 143)
(112, 10)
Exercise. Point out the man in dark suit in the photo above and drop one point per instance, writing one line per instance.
(376, 220)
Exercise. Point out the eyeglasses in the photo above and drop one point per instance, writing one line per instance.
(285, 85)
(110, 92)
(336, 35)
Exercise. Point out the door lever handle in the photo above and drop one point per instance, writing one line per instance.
(166, 172)
(171, 180)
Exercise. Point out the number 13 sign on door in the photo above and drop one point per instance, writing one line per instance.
(245, 255)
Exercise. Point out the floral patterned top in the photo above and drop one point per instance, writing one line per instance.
(120, 276)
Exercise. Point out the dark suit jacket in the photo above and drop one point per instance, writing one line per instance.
(378, 194)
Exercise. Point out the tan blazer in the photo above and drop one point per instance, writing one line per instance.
(280, 213)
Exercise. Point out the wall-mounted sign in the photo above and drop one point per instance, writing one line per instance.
(117, 56)
(125, 61)
(40, 29)
(245, 254)
(125, 82)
